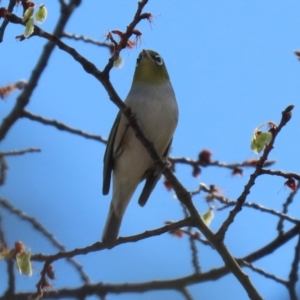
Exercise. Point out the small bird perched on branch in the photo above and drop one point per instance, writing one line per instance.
(152, 99)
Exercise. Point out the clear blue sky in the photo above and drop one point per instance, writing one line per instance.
(232, 67)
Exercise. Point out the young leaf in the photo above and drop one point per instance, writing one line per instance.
(260, 140)
(208, 216)
(28, 14)
(29, 28)
(119, 62)
(41, 14)
(23, 263)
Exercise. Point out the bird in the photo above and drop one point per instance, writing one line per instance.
(152, 100)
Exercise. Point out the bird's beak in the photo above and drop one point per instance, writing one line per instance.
(146, 54)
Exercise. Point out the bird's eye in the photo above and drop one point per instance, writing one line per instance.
(159, 60)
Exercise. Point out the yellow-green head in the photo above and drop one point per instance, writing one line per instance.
(150, 68)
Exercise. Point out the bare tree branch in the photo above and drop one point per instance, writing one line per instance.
(286, 204)
(39, 227)
(3, 169)
(193, 246)
(88, 40)
(228, 203)
(273, 245)
(283, 216)
(216, 240)
(264, 273)
(286, 116)
(11, 285)
(62, 126)
(109, 245)
(186, 294)
(24, 97)
(216, 163)
(19, 152)
(293, 277)
(286, 175)
(10, 8)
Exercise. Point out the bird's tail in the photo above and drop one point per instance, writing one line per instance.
(112, 225)
(122, 193)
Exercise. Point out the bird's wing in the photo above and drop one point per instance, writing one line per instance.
(108, 156)
(151, 181)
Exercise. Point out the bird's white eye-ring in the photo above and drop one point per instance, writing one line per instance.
(159, 60)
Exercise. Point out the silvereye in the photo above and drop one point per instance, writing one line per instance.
(152, 100)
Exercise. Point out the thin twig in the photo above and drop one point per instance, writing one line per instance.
(286, 175)
(24, 97)
(2, 236)
(273, 245)
(86, 40)
(185, 292)
(264, 273)
(286, 205)
(286, 116)
(228, 203)
(3, 169)
(62, 126)
(109, 245)
(19, 152)
(182, 194)
(177, 283)
(10, 8)
(11, 285)
(39, 227)
(48, 259)
(193, 246)
(293, 276)
(63, 4)
(216, 163)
